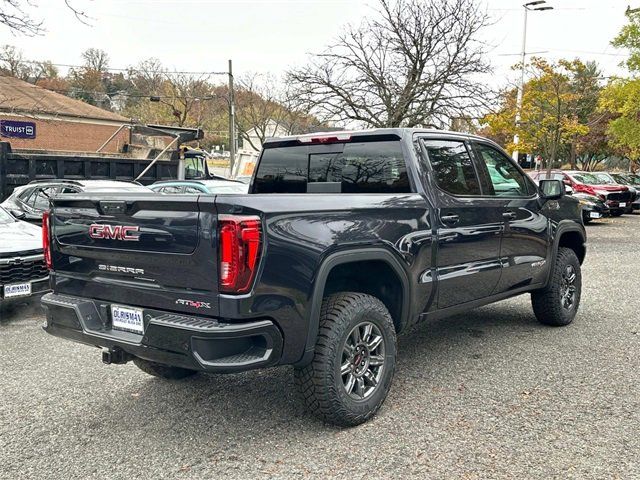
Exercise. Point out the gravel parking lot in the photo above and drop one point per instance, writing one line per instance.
(489, 394)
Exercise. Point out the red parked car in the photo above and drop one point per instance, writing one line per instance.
(617, 197)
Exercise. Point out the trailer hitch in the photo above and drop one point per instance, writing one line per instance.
(115, 356)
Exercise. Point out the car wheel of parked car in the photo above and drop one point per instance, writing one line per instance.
(162, 371)
(557, 304)
(355, 354)
(616, 213)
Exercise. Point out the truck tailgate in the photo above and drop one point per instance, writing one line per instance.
(144, 250)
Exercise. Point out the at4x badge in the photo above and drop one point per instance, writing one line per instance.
(192, 303)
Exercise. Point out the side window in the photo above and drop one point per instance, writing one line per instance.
(40, 198)
(452, 167)
(506, 179)
(192, 190)
(172, 189)
(24, 196)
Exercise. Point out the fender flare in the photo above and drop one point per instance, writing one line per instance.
(564, 226)
(340, 258)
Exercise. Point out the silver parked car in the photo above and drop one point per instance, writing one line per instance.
(23, 271)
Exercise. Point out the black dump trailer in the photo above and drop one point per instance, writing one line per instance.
(20, 168)
(17, 168)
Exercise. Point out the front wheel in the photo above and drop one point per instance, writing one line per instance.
(355, 355)
(557, 303)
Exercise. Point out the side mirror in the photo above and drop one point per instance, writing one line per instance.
(18, 214)
(551, 189)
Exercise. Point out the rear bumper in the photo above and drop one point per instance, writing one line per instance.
(172, 339)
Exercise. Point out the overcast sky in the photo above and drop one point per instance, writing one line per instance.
(271, 36)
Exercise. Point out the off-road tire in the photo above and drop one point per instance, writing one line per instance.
(162, 371)
(548, 302)
(321, 382)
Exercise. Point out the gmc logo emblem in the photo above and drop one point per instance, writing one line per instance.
(127, 233)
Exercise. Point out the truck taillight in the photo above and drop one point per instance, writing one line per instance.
(46, 242)
(240, 238)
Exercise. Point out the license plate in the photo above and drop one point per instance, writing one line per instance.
(17, 290)
(622, 204)
(127, 319)
(594, 215)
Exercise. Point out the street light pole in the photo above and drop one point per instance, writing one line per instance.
(538, 5)
(232, 123)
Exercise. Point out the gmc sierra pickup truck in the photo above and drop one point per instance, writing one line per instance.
(344, 240)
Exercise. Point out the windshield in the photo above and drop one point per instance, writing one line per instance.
(5, 217)
(604, 178)
(620, 178)
(586, 178)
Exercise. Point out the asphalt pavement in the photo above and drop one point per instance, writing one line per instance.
(488, 394)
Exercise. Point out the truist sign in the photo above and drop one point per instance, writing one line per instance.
(15, 129)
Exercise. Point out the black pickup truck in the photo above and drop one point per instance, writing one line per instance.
(344, 240)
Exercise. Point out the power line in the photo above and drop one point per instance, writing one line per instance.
(119, 93)
(130, 69)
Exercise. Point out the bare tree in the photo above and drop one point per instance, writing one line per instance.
(267, 107)
(259, 111)
(416, 63)
(15, 16)
(95, 59)
(13, 63)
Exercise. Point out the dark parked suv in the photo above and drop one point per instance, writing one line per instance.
(345, 240)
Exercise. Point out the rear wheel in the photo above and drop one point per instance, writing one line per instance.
(162, 371)
(355, 354)
(557, 304)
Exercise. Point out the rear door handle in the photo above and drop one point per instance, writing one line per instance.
(450, 219)
(509, 215)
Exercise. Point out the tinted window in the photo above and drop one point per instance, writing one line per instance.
(364, 167)
(505, 178)
(282, 170)
(371, 167)
(452, 167)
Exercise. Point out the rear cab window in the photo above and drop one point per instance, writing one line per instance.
(373, 164)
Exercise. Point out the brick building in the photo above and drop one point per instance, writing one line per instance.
(34, 118)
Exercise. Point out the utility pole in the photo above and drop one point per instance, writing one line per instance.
(232, 122)
(537, 5)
